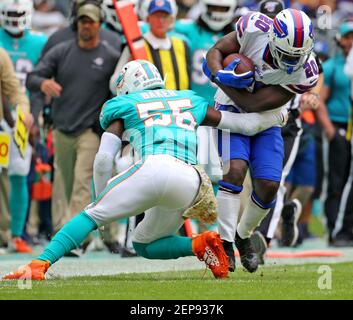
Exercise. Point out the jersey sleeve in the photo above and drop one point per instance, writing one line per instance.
(250, 25)
(113, 109)
(308, 78)
(200, 106)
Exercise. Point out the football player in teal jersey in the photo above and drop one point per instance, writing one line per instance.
(24, 47)
(166, 183)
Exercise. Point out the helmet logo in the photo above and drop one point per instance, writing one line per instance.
(280, 28)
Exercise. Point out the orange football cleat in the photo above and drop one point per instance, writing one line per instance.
(19, 245)
(208, 247)
(33, 271)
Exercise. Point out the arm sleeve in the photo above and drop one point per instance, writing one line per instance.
(250, 124)
(10, 86)
(200, 106)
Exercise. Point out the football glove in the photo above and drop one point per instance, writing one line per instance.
(229, 78)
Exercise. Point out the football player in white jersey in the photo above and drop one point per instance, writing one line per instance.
(281, 52)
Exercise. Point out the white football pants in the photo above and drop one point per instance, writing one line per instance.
(161, 186)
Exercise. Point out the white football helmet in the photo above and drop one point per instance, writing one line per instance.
(16, 15)
(110, 15)
(217, 19)
(138, 75)
(291, 39)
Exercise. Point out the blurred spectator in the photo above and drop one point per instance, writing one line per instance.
(108, 38)
(11, 91)
(344, 224)
(24, 47)
(76, 73)
(170, 54)
(336, 94)
(70, 31)
(46, 18)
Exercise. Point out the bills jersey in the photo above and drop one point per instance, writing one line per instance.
(252, 34)
(199, 40)
(159, 121)
(24, 52)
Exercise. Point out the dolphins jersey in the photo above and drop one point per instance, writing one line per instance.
(252, 34)
(199, 40)
(159, 121)
(24, 52)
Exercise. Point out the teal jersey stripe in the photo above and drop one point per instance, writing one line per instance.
(118, 180)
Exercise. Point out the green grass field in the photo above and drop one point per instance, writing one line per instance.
(274, 282)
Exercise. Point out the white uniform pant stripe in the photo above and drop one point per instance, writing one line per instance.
(282, 189)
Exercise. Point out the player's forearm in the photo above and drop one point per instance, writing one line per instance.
(226, 45)
(103, 163)
(250, 124)
(263, 100)
(214, 59)
(324, 121)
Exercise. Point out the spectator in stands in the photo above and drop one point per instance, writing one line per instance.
(59, 205)
(11, 91)
(170, 54)
(336, 95)
(46, 18)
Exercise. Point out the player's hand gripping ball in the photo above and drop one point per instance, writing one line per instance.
(238, 71)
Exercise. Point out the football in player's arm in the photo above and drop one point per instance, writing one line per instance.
(266, 98)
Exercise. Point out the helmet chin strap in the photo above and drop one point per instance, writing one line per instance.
(290, 70)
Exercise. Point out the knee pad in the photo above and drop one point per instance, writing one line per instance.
(228, 187)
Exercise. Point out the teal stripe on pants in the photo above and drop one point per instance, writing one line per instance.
(118, 180)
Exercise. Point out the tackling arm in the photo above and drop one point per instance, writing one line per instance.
(247, 124)
(267, 98)
(109, 146)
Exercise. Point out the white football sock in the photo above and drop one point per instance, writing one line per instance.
(228, 211)
(250, 219)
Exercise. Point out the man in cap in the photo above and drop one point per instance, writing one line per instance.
(75, 74)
